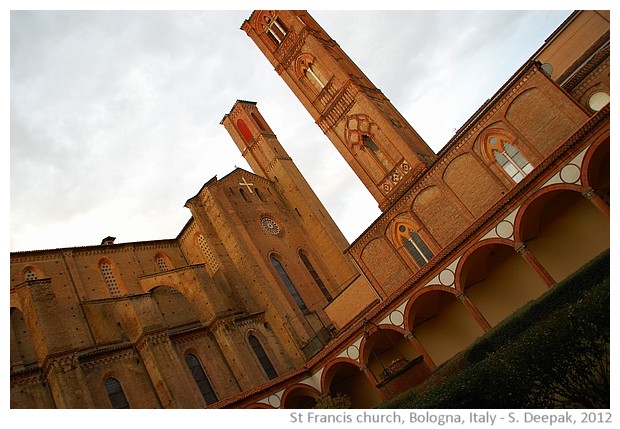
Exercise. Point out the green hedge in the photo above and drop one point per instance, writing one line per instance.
(552, 353)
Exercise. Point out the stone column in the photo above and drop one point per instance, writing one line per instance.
(420, 348)
(369, 375)
(597, 200)
(535, 264)
(473, 310)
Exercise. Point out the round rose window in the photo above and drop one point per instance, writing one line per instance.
(270, 226)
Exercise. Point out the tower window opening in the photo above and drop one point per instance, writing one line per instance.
(377, 153)
(275, 29)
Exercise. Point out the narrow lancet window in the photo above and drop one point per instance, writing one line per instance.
(289, 284)
(262, 357)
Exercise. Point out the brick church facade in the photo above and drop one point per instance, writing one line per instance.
(261, 302)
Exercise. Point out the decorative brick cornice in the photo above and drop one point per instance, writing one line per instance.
(105, 356)
(153, 339)
(289, 49)
(587, 62)
(190, 334)
(26, 376)
(585, 84)
(62, 363)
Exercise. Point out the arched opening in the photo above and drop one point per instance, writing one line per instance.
(563, 230)
(386, 351)
(597, 170)
(498, 280)
(201, 379)
(245, 131)
(115, 394)
(262, 357)
(300, 397)
(347, 379)
(22, 348)
(392, 360)
(442, 324)
(175, 310)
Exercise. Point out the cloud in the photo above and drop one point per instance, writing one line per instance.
(115, 114)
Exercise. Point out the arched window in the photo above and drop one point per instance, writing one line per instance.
(314, 77)
(417, 248)
(262, 357)
(510, 159)
(29, 274)
(161, 263)
(289, 284)
(201, 379)
(116, 394)
(379, 156)
(110, 280)
(208, 253)
(315, 276)
(275, 29)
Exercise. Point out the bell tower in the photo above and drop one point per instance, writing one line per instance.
(385, 152)
(267, 158)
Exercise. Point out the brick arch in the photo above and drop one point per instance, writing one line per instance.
(409, 309)
(465, 258)
(302, 63)
(326, 376)
(16, 303)
(166, 259)
(595, 167)
(122, 380)
(22, 348)
(364, 344)
(358, 387)
(442, 325)
(394, 349)
(174, 306)
(486, 134)
(497, 280)
(538, 197)
(37, 270)
(122, 288)
(562, 229)
(299, 390)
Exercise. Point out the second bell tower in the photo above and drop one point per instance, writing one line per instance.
(385, 152)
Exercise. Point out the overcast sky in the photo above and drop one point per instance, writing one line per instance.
(115, 115)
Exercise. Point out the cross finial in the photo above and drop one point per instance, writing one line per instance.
(245, 183)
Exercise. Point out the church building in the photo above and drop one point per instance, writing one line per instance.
(261, 302)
